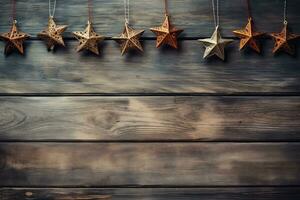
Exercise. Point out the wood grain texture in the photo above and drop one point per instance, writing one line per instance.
(157, 71)
(149, 164)
(264, 193)
(150, 118)
(195, 16)
(147, 147)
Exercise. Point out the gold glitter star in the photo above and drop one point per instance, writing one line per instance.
(167, 34)
(88, 39)
(249, 36)
(53, 34)
(14, 39)
(282, 40)
(129, 39)
(215, 45)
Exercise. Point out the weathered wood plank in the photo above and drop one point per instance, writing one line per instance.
(157, 71)
(195, 16)
(150, 118)
(265, 193)
(149, 164)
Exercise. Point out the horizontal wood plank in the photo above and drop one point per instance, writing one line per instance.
(265, 193)
(195, 16)
(157, 71)
(149, 164)
(150, 118)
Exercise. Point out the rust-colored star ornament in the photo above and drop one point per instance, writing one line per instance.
(249, 37)
(88, 39)
(130, 39)
(53, 34)
(282, 40)
(167, 34)
(215, 45)
(14, 39)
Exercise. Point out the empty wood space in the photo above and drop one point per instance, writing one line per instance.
(161, 125)
(156, 71)
(149, 164)
(220, 193)
(197, 118)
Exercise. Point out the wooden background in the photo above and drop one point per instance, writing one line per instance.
(161, 125)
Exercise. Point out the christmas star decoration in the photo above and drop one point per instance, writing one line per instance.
(14, 39)
(215, 45)
(88, 39)
(282, 40)
(129, 39)
(53, 34)
(166, 34)
(249, 36)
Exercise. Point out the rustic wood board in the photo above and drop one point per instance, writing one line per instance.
(195, 16)
(149, 164)
(220, 193)
(163, 125)
(150, 118)
(157, 71)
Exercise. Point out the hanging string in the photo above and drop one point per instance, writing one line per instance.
(90, 11)
(166, 7)
(51, 14)
(249, 9)
(216, 12)
(126, 9)
(285, 12)
(13, 11)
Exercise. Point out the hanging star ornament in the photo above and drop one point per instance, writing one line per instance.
(215, 45)
(249, 37)
(53, 34)
(88, 39)
(130, 39)
(166, 34)
(14, 39)
(282, 40)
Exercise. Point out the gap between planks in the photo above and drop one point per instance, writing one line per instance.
(151, 141)
(238, 94)
(42, 187)
(148, 186)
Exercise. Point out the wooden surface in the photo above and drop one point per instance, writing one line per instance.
(220, 193)
(161, 125)
(195, 16)
(150, 118)
(157, 71)
(149, 164)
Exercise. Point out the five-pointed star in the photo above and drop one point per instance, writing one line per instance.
(282, 40)
(88, 39)
(129, 39)
(53, 34)
(215, 45)
(249, 36)
(14, 39)
(166, 34)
